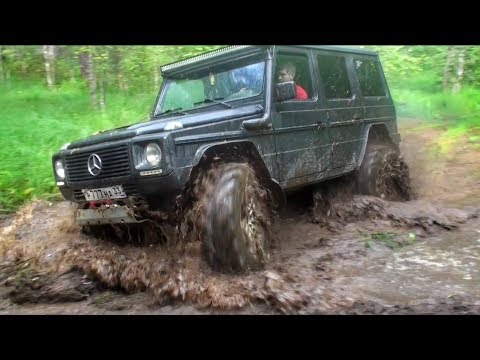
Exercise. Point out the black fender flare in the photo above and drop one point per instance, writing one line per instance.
(375, 132)
(238, 151)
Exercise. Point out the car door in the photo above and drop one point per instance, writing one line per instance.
(373, 87)
(345, 111)
(302, 149)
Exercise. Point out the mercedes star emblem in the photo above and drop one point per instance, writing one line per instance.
(94, 164)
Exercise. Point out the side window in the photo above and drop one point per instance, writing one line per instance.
(369, 77)
(294, 67)
(333, 72)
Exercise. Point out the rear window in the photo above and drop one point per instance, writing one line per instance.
(333, 72)
(369, 77)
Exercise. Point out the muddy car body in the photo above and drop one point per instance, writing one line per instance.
(227, 107)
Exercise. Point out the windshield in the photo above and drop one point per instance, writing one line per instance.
(215, 86)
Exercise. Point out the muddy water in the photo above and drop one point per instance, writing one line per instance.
(441, 266)
(327, 260)
(314, 268)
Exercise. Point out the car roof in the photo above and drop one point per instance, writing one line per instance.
(344, 48)
(234, 50)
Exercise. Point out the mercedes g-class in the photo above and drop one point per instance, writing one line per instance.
(227, 138)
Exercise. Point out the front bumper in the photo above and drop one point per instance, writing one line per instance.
(156, 186)
(106, 215)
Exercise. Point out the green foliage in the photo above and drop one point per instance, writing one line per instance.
(405, 66)
(130, 68)
(416, 77)
(459, 113)
(388, 239)
(36, 121)
(24, 61)
(385, 238)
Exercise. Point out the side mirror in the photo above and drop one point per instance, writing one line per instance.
(285, 91)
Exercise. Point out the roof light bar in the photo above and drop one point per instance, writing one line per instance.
(201, 57)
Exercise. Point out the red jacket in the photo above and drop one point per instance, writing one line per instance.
(301, 93)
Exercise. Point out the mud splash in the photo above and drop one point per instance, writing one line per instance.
(384, 173)
(66, 265)
(169, 274)
(330, 256)
(230, 213)
(335, 204)
(393, 182)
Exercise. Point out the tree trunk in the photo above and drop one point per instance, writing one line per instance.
(447, 70)
(119, 81)
(49, 57)
(457, 85)
(122, 82)
(2, 70)
(116, 57)
(101, 76)
(101, 99)
(92, 81)
(71, 73)
(83, 57)
(88, 72)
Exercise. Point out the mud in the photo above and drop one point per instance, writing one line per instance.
(394, 180)
(233, 221)
(333, 253)
(338, 211)
(385, 174)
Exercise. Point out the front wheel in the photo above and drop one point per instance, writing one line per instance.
(235, 219)
(385, 174)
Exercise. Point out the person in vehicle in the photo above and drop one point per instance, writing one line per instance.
(287, 73)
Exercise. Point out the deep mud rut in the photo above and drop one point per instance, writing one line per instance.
(335, 254)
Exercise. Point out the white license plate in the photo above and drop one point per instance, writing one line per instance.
(106, 193)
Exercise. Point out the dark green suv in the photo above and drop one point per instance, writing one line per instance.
(231, 131)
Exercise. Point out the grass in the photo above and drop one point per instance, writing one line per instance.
(458, 114)
(385, 238)
(103, 298)
(390, 240)
(35, 122)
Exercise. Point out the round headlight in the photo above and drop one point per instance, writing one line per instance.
(153, 154)
(59, 169)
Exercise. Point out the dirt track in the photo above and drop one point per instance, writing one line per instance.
(364, 255)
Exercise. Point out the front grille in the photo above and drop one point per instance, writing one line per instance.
(115, 163)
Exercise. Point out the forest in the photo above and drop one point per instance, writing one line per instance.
(52, 94)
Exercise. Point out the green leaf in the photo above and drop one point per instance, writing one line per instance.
(28, 191)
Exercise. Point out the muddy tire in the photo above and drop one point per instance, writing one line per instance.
(385, 174)
(235, 219)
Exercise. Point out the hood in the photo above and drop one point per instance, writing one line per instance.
(155, 126)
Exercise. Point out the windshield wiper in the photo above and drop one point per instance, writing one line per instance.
(172, 111)
(216, 101)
